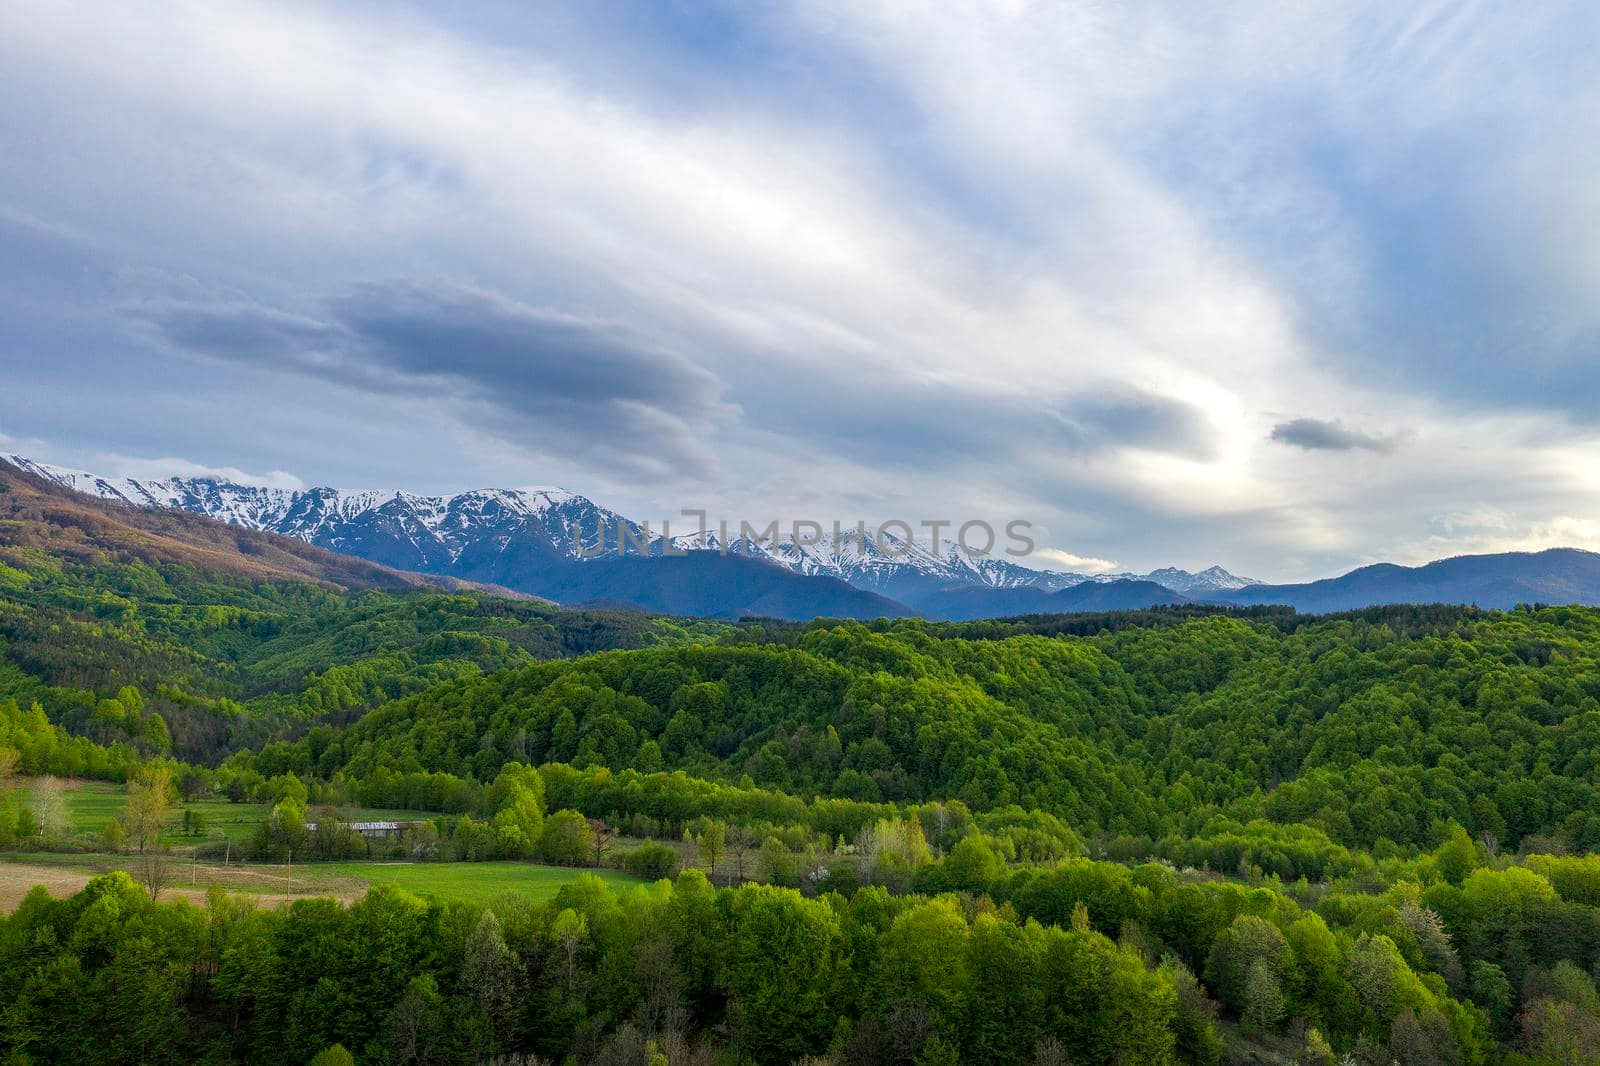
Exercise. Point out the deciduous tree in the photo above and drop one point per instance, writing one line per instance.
(145, 813)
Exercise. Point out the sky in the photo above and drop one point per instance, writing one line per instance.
(1290, 289)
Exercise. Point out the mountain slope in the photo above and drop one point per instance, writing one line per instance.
(40, 514)
(545, 542)
(1120, 595)
(709, 585)
(430, 534)
(1557, 576)
(1124, 595)
(884, 562)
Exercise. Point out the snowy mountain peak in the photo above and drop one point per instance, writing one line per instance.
(883, 561)
(1211, 579)
(551, 495)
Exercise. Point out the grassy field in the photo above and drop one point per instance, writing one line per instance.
(470, 882)
(91, 804)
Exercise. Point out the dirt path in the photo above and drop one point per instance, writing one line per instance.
(267, 887)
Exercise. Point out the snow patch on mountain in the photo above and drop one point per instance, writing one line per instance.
(1211, 579)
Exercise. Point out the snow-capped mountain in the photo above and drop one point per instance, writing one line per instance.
(1194, 584)
(531, 539)
(885, 562)
(484, 531)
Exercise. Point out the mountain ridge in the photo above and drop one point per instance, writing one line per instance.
(527, 543)
(528, 539)
(1498, 580)
(37, 513)
(560, 544)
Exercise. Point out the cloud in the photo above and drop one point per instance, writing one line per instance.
(1557, 531)
(794, 252)
(1316, 434)
(909, 422)
(114, 465)
(1479, 518)
(553, 381)
(1141, 419)
(1056, 559)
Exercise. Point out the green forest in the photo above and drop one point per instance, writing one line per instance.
(1177, 836)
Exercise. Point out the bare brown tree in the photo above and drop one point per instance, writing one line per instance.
(155, 868)
(740, 843)
(601, 837)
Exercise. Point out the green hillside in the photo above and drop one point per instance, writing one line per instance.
(225, 661)
(1377, 729)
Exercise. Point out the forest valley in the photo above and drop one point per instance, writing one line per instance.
(1183, 835)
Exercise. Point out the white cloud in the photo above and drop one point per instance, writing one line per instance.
(115, 465)
(1056, 559)
(1558, 531)
(1044, 204)
(1481, 517)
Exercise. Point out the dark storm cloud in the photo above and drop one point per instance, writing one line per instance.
(1316, 434)
(553, 381)
(510, 350)
(246, 333)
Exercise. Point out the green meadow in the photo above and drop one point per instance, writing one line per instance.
(91, 804)
(469, 882)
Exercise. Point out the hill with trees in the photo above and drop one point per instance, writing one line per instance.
(1376, 728)
(1188, 834)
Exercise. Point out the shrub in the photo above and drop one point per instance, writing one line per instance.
(565, 838)
(652, 860)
